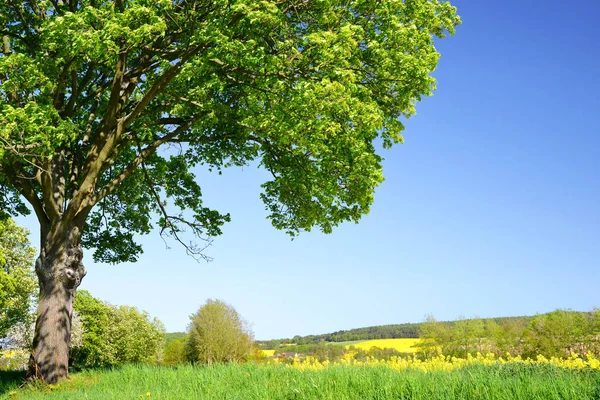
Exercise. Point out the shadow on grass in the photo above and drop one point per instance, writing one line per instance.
(10, 380)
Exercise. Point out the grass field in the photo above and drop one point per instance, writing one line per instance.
(250, 381)
(402, 345)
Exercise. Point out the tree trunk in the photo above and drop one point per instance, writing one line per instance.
(60, 271)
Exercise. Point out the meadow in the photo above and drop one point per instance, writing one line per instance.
(480, 377)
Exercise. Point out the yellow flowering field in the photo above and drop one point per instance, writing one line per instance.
(402, 345)
(447, 363)
(268, 353)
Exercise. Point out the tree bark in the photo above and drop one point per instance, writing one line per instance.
(60, 271)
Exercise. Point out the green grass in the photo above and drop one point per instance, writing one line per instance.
(247, 382)
(10, 380)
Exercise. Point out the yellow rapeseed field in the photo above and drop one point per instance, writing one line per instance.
(447, 363)
(269, 353)
(402, 345)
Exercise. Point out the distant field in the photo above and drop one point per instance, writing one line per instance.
(402, 345)
(348, 343)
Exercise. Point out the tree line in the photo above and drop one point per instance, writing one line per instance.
(555, 334)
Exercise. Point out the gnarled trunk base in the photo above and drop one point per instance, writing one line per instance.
(59, 272)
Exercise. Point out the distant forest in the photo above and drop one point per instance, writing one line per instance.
(396, 331)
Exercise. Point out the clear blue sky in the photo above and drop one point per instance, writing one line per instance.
(490, 208)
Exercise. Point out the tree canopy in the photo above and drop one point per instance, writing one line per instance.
(89, 90)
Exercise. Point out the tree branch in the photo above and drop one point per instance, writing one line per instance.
(191, 249)
(50, 204)
(27, 191)
(160, 83)
(142, 155)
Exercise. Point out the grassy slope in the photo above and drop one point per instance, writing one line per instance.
(336, 382)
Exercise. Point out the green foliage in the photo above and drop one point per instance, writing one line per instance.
(218, 334)
(115, 335)
(136, 337)
(555, 334)
(90, 91)
(174, 353)
(277, 382)
(95, 349)
(171, 336)
(558, 333)
(17, 278)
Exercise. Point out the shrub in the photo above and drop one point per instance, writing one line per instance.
(115, 335)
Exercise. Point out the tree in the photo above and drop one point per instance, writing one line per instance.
(91, 89)
(467, 335)
(17, 279)
(557, 333)
(434, 335)
(175, 352)
(136, 337)
(217, 334)
(510, 336)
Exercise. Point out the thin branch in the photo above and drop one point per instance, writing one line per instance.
(191, 249)
(18, 148)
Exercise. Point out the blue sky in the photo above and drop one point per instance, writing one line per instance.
(490, 208)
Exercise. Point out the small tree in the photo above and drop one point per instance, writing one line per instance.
(175, 352)
(17, 279)
(217, 333)
(434, 336)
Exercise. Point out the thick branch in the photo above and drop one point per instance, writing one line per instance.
(50, 204)
(143, 154)
(108, 136)
(159, 85)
